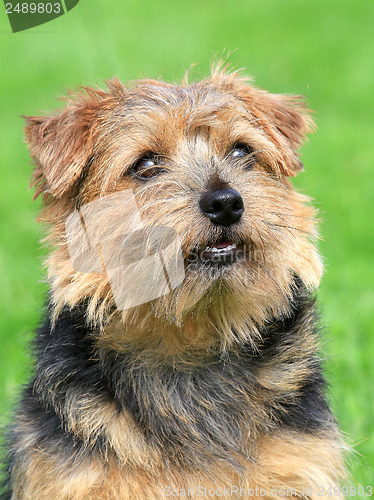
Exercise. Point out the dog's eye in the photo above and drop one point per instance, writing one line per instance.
(148, 167)
(237, 153)
(243, 152)
(240, 151)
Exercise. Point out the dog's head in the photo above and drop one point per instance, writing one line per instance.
(208, 160)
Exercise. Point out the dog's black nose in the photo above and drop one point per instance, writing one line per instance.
(223, 206)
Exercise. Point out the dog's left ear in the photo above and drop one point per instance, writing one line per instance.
(285, 119)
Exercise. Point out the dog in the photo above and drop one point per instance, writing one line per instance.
(179, 355)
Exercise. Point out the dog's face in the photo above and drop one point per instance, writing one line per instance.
(209, 160)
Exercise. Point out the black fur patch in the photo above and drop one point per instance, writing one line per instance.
(193, 416)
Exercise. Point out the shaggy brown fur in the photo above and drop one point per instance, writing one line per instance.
(218, 383)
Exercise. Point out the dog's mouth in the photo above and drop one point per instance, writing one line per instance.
(224, 251)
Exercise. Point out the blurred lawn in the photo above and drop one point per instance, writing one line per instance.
(321, 49)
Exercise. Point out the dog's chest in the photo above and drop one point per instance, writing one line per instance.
(194, 415)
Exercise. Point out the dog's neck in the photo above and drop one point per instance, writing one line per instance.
(162, 398)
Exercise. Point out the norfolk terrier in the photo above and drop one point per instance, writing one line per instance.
(179, 355)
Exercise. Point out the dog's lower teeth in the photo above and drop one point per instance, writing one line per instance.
(221, 250)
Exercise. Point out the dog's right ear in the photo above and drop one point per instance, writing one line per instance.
(62, 144)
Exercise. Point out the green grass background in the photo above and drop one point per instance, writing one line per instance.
(322, 49)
